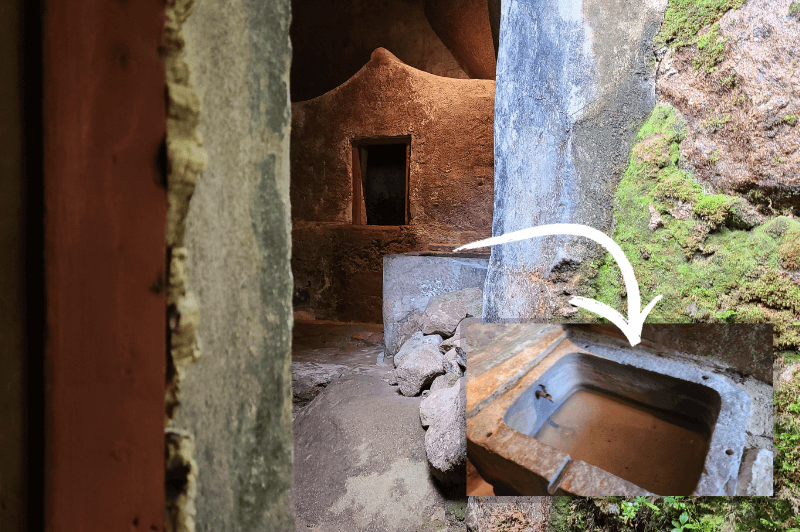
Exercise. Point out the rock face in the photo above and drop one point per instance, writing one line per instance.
(416, 340)
(755, 474)
(418, 369)
(742, 115)
(444, 413)
(360, 460)
(571, 78)
(309, 378)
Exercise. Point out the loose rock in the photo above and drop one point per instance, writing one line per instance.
(443, 317)
(418, 369)
(444, 411)
(416, 340)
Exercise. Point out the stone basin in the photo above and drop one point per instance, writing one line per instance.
(567, 410)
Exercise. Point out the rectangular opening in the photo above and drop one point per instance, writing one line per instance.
(650, 429)
(380, 181)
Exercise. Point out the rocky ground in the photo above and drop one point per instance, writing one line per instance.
(508, 514)
(360, 459)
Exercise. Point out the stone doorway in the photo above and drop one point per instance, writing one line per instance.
(380, 181)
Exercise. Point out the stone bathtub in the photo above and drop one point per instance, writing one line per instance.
(567, 410)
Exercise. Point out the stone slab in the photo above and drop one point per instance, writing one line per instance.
(410, 280)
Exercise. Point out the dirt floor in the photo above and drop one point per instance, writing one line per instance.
(359, 455)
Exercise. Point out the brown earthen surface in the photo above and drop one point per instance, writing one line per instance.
(332, 39)
(463, 26)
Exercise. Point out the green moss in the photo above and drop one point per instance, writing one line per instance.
(724, 275)
(710, 50)
(565, 516)
(777, 291)
(786, 440)
(790, 119)
(677, 184)
(794, 10)
(789, 251)
(685, 18)
(714, 208)
(457, 509)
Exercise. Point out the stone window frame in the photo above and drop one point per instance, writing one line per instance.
(359, 214)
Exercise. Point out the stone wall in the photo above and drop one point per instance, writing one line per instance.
(332, 40)
(236, 399)
(450, 184)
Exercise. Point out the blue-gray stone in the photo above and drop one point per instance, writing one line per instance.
(574, 83)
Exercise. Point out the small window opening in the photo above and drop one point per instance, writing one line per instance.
(380, 182)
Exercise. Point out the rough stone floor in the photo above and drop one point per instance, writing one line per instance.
(359, 453)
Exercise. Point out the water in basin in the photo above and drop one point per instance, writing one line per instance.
(652, 449)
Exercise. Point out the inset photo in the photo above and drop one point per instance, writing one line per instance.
(576, 410)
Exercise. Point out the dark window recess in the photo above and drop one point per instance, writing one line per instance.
(384, 174)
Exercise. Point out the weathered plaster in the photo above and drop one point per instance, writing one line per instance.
(186, 159)
(237, 398)
(449, 122)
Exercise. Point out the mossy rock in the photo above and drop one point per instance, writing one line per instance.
(720, 261)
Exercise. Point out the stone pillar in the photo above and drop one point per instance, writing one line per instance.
(236, 400)
(574, 83)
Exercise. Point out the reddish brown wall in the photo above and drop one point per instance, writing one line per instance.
(463, 26)
(332, 39)
(450, 122)
(14, 473)
(104, 125)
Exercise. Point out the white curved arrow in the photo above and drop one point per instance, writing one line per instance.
(632, 327)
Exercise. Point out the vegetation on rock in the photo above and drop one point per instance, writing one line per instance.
(699, 256)
(685, 18)
(710, 266)
(646, 514)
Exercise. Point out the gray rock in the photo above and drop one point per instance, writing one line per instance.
(454, 361)
(742, 215)
(340, 437)
(418, 369)
(443, 315)
(444, 411)
(563, 96)
(309, 379)
(391, 378)
(458, 339)
(410, 281)
(789, 373)
(473, 301)
(416, 340)
(403, 332)
(755, 474)
(760, 421)
(655, 219)
(444, 381)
